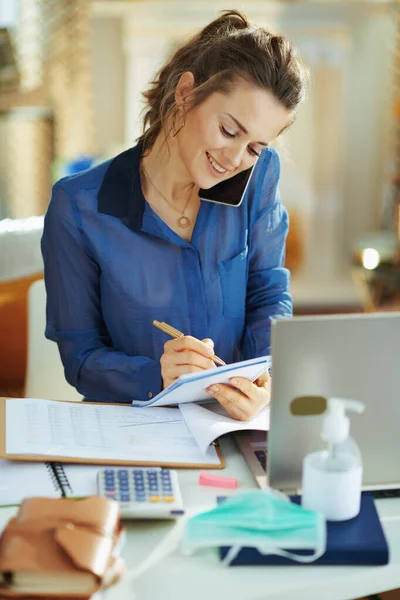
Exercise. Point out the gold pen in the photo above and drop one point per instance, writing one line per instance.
(175, 333)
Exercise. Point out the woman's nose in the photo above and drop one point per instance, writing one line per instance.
(233, 156)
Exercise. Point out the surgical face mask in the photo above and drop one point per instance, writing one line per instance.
(262, 519)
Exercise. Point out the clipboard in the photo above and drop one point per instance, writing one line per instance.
(93, 461)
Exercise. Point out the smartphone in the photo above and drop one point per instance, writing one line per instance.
(229, 191)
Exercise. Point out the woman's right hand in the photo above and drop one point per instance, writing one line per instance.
(183, 355)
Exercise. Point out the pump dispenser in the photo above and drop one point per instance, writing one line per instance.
(332, 478)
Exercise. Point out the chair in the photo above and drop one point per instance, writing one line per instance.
(45, 372)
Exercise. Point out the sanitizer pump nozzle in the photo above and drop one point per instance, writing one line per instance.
(332, 478)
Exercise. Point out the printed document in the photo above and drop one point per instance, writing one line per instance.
(79, 430)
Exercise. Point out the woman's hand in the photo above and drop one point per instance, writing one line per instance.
(245, 399)
(185, 354)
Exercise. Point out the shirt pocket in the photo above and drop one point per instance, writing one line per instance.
(233, 277)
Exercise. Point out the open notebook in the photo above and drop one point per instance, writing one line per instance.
(191, 387)
(19, 480)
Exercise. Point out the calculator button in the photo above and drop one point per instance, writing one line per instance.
(154, 498)
(109, 473)
(168, 498)
(125, 497)
(110, 485)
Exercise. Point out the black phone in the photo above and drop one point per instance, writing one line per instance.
(229, 191)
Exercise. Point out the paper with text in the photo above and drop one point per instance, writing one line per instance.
(79, 430)
(207, 423)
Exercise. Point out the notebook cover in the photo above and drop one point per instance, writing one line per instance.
(359, 541)
(65, 537)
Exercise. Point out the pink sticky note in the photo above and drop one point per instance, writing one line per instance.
(217, 480)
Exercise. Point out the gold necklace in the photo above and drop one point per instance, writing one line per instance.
(183, 221)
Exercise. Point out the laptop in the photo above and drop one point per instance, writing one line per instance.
(355, 356)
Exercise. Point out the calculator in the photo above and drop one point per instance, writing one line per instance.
(142, 493)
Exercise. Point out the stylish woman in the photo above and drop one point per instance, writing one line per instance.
(130, 240)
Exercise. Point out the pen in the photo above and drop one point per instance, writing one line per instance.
(175, 333)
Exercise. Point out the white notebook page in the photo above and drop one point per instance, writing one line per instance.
(20, 480)
(211, 421)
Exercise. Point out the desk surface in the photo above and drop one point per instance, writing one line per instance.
(201, 577)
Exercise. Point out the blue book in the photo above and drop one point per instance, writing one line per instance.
(359, 541)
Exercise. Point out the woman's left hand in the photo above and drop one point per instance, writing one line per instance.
(245, 399)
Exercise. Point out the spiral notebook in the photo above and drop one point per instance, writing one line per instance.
(19, 480)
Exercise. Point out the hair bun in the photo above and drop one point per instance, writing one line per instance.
(229, 22)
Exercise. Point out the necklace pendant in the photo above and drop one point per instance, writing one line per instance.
(183, 222)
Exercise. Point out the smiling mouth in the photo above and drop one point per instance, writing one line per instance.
(219, 168)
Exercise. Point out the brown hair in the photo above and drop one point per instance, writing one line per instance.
(228, 48)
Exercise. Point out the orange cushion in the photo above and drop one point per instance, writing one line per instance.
(13, 329)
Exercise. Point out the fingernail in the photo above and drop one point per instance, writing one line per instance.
(214, 388)
(234, 381)
(210, 391)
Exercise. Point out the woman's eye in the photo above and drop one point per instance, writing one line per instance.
(227, 133)
(253, 152)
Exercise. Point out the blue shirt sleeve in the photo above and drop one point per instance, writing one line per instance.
(268, 284)
(74, 315)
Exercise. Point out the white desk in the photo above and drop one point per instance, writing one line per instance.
(201, 577)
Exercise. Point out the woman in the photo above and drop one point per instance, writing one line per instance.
(130, 241)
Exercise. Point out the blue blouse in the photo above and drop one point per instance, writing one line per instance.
(112, 265)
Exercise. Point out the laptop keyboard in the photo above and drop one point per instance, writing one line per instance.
(262, 458)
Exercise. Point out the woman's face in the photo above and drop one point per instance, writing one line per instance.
(226, 133)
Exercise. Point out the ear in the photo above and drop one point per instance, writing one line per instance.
(184, 88)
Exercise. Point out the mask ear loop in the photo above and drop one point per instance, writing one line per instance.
(319, 551)
(168, 544)
(230, 555)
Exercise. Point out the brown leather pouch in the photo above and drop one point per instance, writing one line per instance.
(60, 548)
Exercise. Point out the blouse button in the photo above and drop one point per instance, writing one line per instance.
(150, 395)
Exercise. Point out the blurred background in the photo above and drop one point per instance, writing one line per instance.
(71, 77)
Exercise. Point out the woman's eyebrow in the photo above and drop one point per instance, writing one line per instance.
(243, 128)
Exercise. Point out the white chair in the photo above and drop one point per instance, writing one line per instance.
(45, 372)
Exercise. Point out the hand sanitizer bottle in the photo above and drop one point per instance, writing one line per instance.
(332, 478)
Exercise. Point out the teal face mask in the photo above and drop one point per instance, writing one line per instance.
(262, 519)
